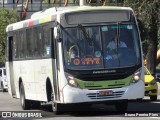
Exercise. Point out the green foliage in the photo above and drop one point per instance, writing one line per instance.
(150, 17)
(6, 17)
(134, 4)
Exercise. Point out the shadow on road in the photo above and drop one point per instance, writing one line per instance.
(144, 106)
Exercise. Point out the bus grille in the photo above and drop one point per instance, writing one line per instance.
(97, 96)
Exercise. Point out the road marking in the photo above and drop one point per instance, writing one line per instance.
(155, 118)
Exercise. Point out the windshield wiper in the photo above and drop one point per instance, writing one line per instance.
(118, 35)
(86, 35)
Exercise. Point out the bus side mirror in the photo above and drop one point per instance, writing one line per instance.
(59, 38)
(59, 34)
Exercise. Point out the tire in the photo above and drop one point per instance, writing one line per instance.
(35, 104)
(56, 107)
(153, 98)
(121, 106)
(3, 89)
(26, 104)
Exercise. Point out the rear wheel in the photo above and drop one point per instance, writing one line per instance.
(153, 97)
(26, 104)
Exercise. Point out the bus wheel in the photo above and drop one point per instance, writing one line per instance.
(56, 107)
(36, 104)
(153, 97)
(121, 106)
(4, 90)
(26, 104)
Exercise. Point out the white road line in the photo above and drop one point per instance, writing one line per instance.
(155, 118)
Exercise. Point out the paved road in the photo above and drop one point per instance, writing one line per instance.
(97, 112)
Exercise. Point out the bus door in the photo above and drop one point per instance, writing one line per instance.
(55, 63)
(9, 66)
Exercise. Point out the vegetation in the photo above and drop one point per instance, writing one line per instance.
(6, 17)
(148, 13)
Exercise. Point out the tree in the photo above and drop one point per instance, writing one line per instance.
(6, 17)
(149, 14)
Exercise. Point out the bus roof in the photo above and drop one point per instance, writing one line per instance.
(47, 15)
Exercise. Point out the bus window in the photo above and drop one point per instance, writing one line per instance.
(83, 47)
(22, 44)
(15, 45)
(47, 42)
(29, 42)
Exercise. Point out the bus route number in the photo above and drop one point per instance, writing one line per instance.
(86, 61)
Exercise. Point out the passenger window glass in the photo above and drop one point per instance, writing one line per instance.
(47, 43)
(4, 71)
(0, 73)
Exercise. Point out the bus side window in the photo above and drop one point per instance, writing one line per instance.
(15, 45)
(0, 73)
(36, 42)
(9, 48)
(39, 41)
(29, 39)
(22, 44)
(53, 42)
(46, 41)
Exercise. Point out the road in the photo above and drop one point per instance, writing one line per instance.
(96, 112)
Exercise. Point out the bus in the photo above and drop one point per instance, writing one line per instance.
(60, 55)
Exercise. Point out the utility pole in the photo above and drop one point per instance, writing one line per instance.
(82, 2)
(3, 3)
(41, 5)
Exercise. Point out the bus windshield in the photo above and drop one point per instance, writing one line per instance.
(101, 47)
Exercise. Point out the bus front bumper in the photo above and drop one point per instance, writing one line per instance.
(77, 95)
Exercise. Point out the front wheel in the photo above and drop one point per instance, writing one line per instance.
(153, 97)
(121, 106)
(26, 104)
(3, 89)
(56, 107)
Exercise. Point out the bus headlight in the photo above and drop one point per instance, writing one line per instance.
(137, 76)
(71, 80)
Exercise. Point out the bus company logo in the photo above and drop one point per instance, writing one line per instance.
(104, 71)
(6, 114)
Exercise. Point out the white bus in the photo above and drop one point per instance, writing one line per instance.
(64, 56)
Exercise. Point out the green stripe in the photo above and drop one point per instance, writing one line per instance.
(104, 84)
(41, 20)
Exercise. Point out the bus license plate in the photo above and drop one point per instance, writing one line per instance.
(105, 93)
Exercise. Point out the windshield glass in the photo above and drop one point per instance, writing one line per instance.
(4, 71)
(101, 47)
